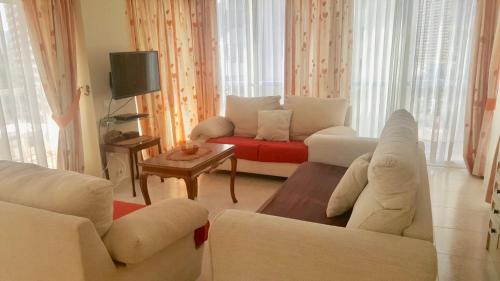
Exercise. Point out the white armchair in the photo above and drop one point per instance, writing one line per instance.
(153, 243)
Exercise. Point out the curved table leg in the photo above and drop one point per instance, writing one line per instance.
(234, 163)
(132, 167)
(159, 152)
(143, 179)
(191, 187)
(136, 161)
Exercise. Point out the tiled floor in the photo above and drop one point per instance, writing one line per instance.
(459, 213)
(460, 219)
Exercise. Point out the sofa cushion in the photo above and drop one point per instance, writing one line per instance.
(243, 112)
(213, 127)
(387, 204)
(141, 234)
(245, 148)
(274, 125)
(283, 152)
(266, 151)
(350, 187)
(313, 114)
(58, 191)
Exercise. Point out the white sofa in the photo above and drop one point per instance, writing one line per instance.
(57, 226)
(244, 110)
(250, 246)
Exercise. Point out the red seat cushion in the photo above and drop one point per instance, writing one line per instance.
(266, 151)
(121, 208)
(246, 148)
(283, 152)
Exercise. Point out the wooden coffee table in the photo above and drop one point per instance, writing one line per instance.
(188, 170)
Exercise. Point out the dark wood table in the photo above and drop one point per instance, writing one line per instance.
(130, 147)
(188, 170)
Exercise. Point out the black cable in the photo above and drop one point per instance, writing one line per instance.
(122, 106)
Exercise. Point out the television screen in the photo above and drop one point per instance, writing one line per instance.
(134, 73)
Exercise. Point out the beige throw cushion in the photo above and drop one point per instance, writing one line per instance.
(243, 112)
(350, 187)
(274, 125)
(387, 204)
(141, 234)
(313, 114)
(58, 191)
(213, 127)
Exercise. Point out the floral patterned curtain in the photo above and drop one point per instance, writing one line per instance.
(483, 90)
(183, 33)
(318, 48)
(52, 29)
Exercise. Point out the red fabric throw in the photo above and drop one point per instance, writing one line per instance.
(201, 235)
(266, 151)
(121, 208)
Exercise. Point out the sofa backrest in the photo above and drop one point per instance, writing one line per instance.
(388, 202)
(58, 191)
(313, 114)
(421, 226)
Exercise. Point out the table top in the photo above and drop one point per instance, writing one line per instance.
(217, 152)
(136, 141)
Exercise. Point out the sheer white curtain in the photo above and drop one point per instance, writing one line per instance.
(251, 38)
(413, 54)
(27, 131)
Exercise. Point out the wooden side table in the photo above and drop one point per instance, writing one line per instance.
(130, 147)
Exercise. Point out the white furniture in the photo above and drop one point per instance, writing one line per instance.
(310, 116)
(252, 246)
(493, 237)
(57, 225)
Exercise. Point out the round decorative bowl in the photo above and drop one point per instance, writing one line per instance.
(189, 149)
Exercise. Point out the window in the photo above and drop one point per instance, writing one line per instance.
(27, 132)
(251, 37)
(413, 55)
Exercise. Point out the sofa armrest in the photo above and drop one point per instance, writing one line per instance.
(139, 235)
(333, 131)
(250, 246)
(37, 244)
(213, 127)
(348, 117)
(338, 150)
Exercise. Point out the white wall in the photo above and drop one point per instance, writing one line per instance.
(105, 28)
(91, 154)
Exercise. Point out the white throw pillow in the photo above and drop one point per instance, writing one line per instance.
(387, 204)
(313, 114)
(274, 125)
(350, 186)
(213, 127)
(243, 112)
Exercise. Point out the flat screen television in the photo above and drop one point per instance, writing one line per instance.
(134, 73)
